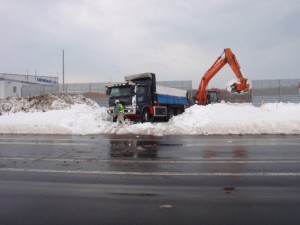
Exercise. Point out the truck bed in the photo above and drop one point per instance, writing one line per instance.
(170, 91)
(175, 100)
(167, 95)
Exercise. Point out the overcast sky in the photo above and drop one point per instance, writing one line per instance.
(104, 40)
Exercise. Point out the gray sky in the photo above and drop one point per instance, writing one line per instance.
(176, 39)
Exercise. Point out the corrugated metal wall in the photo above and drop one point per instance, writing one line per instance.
(180, 84)
(37, 89)
(270, 91)
(263, 91)
(95, 91)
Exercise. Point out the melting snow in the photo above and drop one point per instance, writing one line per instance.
(62, 114)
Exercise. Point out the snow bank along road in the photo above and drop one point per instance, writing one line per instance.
(116, 179)
(77, 115)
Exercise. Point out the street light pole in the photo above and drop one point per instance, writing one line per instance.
(63, 69)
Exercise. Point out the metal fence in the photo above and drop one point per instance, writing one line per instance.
(270, 91)
(184, 84)
(94, 91)
(37, 89)
(263, 91)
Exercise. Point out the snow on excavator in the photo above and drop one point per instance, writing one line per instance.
(204, 96)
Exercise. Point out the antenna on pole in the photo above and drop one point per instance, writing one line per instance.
(63, 68)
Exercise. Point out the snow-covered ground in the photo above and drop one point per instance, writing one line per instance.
(78, 115)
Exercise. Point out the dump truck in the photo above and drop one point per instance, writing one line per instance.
(144, 101)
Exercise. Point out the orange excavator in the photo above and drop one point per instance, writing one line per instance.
(203, 95)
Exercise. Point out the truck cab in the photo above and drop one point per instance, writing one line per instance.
(136, 95)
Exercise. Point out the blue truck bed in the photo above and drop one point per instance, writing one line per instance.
(167, 99)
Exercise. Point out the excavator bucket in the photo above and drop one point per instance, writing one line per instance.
(231, 86)
(234, 86)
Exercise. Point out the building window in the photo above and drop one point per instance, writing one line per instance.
(14, 89)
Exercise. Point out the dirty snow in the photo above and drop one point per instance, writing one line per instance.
(78, 115)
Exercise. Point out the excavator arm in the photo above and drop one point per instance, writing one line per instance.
(226, 57)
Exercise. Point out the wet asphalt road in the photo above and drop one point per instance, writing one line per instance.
(149, 180)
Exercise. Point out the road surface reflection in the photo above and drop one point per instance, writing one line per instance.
(133, 148)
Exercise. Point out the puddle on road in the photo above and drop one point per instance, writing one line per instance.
(133, 148)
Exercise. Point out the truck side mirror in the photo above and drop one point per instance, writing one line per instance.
(108, 90)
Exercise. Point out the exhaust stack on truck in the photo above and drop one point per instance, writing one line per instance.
(144, 101)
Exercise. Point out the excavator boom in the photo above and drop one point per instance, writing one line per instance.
(226, 57)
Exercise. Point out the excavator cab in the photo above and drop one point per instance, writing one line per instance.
(212, 96)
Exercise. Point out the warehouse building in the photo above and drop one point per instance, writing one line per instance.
(12, 84)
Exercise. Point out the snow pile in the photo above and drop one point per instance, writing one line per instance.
(51, 114)
(221, 119)
(170, 91)
(239, 119)
(42, 103)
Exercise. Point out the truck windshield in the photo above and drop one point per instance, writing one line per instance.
(121, 91)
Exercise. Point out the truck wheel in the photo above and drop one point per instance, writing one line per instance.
(179, 111)
(145, 116)
(170, 114)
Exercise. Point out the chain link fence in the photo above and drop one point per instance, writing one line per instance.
(271, 91)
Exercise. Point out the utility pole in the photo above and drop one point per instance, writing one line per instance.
(63, 69)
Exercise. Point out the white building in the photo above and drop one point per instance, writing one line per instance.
(11, 84)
